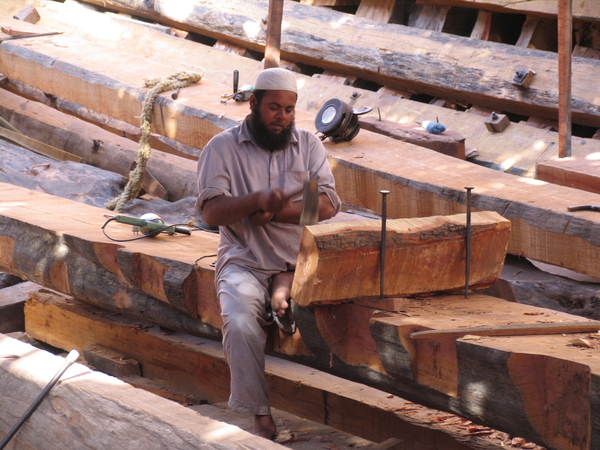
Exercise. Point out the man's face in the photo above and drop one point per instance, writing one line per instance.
(273, 118)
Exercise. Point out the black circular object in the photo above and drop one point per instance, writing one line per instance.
(337, 121)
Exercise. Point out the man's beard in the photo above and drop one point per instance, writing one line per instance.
(265, 137)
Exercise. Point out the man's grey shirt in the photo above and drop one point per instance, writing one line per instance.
(232, 164)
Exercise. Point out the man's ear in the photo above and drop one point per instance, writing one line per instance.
(252, 101)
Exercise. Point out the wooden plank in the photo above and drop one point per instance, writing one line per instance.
(339, 262)
(578, 173)
(95, 402)
(483, 25)
(448, 143)
(381, 11)
(582, 9)
(37, 146)
(517, 148)
(356, 47)
(428, 17)
(96, 146)
(198, 366)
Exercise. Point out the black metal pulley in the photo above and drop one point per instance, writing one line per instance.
(337, 121)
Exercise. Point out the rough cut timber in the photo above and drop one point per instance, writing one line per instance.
(82, 410)
(198, 366)
(517, 149)
(454, 67)
(576, 172)
(535, 394)
(341, 261)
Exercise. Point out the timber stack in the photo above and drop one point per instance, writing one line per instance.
(427, 356)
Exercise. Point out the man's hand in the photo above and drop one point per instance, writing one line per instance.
(260, 218)
(272, 201)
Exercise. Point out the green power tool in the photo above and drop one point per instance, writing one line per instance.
(150, 224)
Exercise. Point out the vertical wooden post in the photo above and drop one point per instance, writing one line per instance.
(273, 43)
(565, 47)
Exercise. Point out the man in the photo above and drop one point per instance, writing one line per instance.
(245, 178)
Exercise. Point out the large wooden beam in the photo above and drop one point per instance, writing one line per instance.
(365, 342)
(198, 366)
(340, 261)
(383, 53)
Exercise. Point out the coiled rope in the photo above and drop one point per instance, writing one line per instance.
(136, 176)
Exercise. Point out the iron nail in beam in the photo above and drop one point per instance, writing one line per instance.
(384, 194)
(468, 241)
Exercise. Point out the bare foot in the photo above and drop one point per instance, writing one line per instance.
(280, 292)
(264, 426)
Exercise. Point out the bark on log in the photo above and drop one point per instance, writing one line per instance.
(340, 262)
(378, 52)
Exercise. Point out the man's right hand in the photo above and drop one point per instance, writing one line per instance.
(272, 201)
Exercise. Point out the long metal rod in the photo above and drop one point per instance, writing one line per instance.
(468, 242)
(71, 358)
(383, 243)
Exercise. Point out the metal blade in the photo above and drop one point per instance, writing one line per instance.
(310, 202)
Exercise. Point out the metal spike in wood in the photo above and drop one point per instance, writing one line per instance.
(468, 241)
(383, 243)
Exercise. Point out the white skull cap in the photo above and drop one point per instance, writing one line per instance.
(276, 79)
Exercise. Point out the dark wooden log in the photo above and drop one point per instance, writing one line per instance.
(311, 39)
